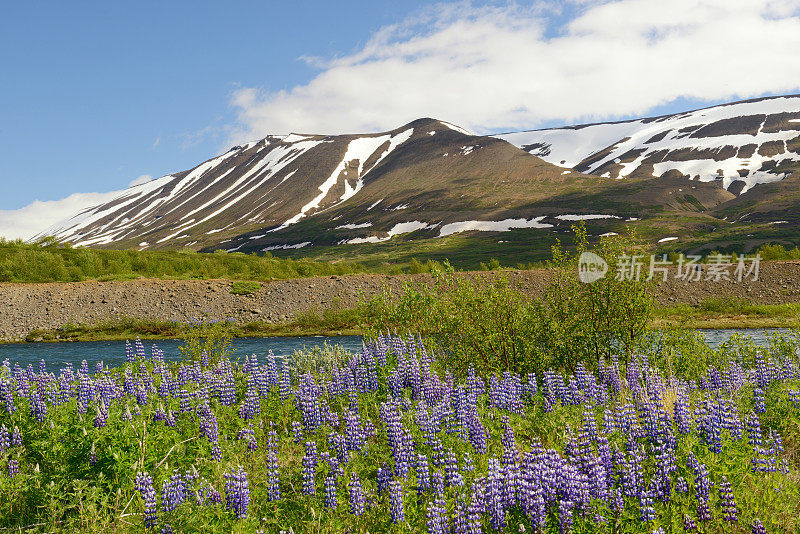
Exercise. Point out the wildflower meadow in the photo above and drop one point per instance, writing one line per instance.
(387, 440)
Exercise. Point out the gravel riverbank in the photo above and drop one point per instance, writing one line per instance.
(27, 307)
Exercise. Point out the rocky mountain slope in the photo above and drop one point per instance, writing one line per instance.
(431, 179)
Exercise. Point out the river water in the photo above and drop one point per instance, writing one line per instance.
(112, 353)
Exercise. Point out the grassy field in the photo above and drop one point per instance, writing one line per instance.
(488, 413)
(728, 313)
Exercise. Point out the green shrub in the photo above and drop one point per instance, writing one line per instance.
(210, 337)
(682, 352)
(50, 261)
(584, 322)
(486, 323)
(318, 361)
(778, 252)
(245, 287)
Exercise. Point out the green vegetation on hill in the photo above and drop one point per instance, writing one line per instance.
(49, 261)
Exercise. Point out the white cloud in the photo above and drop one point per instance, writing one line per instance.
(490, 68)
(142, 179)
(38, 216)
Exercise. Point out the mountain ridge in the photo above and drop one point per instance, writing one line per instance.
(430, 178)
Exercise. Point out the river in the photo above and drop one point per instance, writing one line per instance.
(112, 353)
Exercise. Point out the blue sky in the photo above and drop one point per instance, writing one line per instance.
(95, 95)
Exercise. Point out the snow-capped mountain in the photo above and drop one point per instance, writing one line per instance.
(738, 145)
(275, 181)
(430, 178)
(267, 186)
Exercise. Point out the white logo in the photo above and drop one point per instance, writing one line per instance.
(591, 267)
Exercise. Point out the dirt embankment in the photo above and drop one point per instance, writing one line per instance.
(27, 307)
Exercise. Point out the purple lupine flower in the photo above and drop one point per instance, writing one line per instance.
(702, 487)
(140, 355)
(759, 405)
(297, 431)
(495, 495)
(475, 430)
(102, 415)
(356, 496)
(331, 497)
(38, 407)
(758, 527)
(354, 434)
(753, 426)
(681, 412)
(273, 482)
(173, 492)
(452, 474)
(396, 507)
(13, 468)
(469, 465)
(144, 485)
(310, 461)
(565, 516)
(129, 352)
(437, 481)
(688, 523)
(216, 453)
(727, 501)
(251, 406)
(646, 510)
(383, 478)
(437, 516)
(5, 439)
(237, 492)
(16, 437)
(248, 434)
(7, 397)
(423, 474)
(166, 529)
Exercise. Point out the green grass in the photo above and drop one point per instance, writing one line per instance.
(340, 322)
(519, 248)
(245, 287)
(728, 313)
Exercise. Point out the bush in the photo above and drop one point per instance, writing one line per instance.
(210, 337)
(486, 323)
(244, 287)
(317, 361)
(584, 322)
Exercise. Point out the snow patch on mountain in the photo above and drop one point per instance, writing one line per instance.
(353, 226)
(360, 149)
(492, 226)
(397, 229)
(589, 217)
